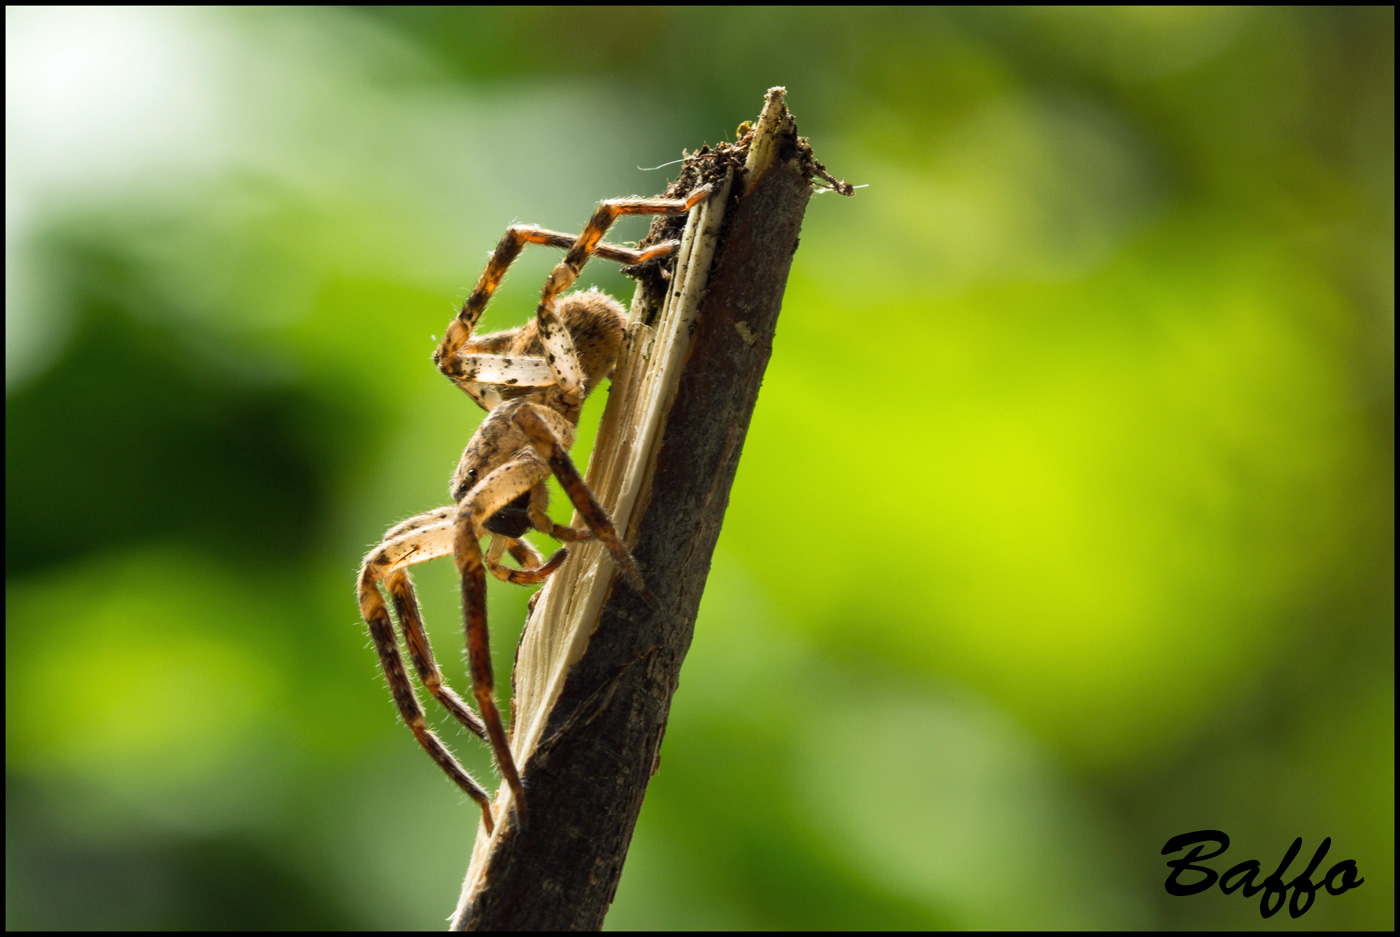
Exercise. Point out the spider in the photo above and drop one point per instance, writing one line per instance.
(532, 381)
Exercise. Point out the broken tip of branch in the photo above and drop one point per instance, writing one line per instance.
(773, 121)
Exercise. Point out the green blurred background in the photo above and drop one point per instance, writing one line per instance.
(1088, 546)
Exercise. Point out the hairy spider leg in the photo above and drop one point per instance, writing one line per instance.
(549, 434)
(527, 557)
(498, 489)
(558, 345)
(381, 629)
(399, 549)
(622, 255)
(457, 341)
(552, 447)
(533, 568)
(421, 652)
(539, 516)
(525, 554)
(417, 540)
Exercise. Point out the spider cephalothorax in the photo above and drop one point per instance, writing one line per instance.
(532, 381)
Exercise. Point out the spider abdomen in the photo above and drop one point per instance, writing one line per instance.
(595, 322)
(513, 519)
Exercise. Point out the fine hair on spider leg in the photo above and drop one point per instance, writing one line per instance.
(532, 381)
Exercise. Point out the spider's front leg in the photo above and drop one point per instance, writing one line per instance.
(459, 353)
(560, 353)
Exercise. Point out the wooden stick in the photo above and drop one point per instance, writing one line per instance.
(597, 666)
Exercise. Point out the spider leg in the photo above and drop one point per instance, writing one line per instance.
(559, 346)
(533, 567)
(498, 369)
(421, 652)
(495, 491)
(525, 554)
(622, 255)
(493, 553)
(486, 395)
(381, 629)
(539, 516)
(516, 237)
(546, 439)
(416, 522)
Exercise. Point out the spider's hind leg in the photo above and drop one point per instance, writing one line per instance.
(416, 540)
(411, 622)
(491, 494)
(386, 645)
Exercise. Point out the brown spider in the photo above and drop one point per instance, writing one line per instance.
(532, 381)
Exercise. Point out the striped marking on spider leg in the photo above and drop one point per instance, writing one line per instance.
(621, 255)
(472, 567)
(459, 330)
(421, 652)
(408, 543)
(500, 369)
(533, 421)
(559, 352)
(381, 630)
(559, 347)
(419, 521)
